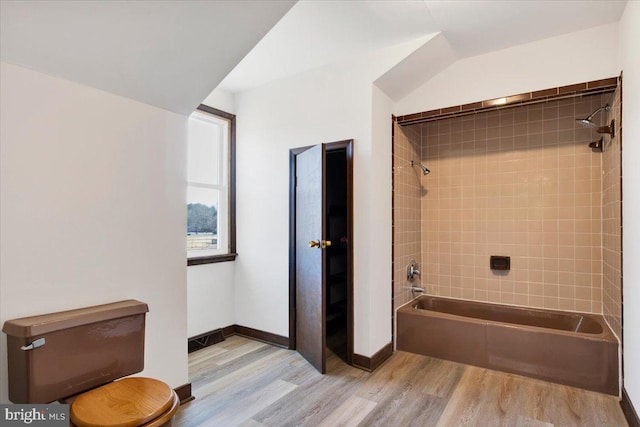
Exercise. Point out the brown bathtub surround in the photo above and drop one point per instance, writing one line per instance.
(579, 89)
(575, 349)
(521, 182)
(612, 221)
(406, 210)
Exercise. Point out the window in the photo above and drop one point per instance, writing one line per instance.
(210, 186)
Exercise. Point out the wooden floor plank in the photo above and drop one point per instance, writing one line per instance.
(314, 401)
(240, 411)
(441, 377)
(253, 423)
(350, 413)
(236, 352)
(213, 396)
(233, 378)
(247, 383)
(406, 409)
(203, 372)
(529, 422)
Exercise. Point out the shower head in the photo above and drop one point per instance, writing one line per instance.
(587, 121)
(425, 171)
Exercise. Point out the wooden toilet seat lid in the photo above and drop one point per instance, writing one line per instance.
(128, 402)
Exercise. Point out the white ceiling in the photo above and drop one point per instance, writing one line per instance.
(431, 58)
(316, 33)
(170, 54)
(476, 27)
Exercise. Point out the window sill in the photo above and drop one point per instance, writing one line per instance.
(211, 259)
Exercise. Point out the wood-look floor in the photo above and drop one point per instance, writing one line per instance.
(240, 382)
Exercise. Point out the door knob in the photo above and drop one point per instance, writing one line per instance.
(320, 244)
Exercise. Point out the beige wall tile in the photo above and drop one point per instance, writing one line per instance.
(611, 290)
(520, 182)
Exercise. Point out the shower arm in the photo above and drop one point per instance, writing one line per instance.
(611, 129)
(425, 170)
(592, 115)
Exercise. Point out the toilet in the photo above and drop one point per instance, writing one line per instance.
(81, 357)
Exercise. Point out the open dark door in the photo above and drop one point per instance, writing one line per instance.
(310, 255)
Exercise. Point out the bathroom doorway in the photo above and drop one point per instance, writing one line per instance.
(321, 252)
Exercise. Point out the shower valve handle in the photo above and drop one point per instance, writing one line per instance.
(412, 270)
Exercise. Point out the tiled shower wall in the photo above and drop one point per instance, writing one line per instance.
(612, 222)
(406, 210)
(521, 182)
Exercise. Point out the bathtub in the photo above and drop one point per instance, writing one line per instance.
(575, 349)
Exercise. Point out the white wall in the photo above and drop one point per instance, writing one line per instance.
(630, 58)
(571, 58)
(380, 218)
(222, 100)
(210, 287)
(210, 296)
(92, 209)
(328, 104)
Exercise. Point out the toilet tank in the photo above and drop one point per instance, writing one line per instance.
(57, 355)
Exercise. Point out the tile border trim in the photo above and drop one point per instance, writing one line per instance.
(569, 91)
